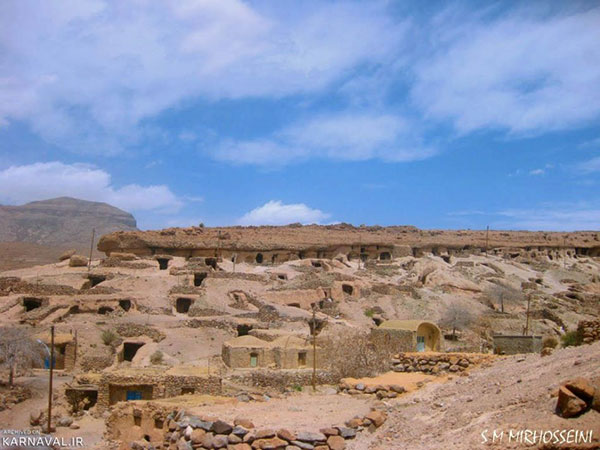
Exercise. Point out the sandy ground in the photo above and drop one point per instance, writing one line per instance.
(514, 393)
(410, 381)
(301, 411)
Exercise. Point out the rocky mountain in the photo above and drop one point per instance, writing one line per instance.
(61, 223)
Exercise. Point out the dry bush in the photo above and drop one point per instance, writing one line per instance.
(109, 337)
(156, 357)
(549, 342)
(350, 353)
(18, 351)
(456, 317)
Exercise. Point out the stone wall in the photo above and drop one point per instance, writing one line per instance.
(281, 379)
(134, 425)
(437, 363)
(112, 386)
(394, 340)
(589, 330)
(512, 345)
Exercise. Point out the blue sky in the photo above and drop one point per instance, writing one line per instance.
(434, 114)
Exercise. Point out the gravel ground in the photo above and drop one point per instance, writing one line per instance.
(515, 393)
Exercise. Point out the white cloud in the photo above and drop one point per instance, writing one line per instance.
(535, 172)
(275, 212)
(553, 218)
(523, 72)
(39, 181)
(349, 137)
(589, 166)
(85, 73)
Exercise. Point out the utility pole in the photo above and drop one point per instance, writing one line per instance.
(527, 320)
(91, 249)
(233, 259)
(314, 334)
(487, 239)
(50, 381)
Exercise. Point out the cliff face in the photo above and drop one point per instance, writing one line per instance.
(277, 244)
(61, 222)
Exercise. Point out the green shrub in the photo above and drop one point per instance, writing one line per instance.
(156, 357)
(297, 388)
(369, 312)
(109, 337)
(549, 342)
(571, 339)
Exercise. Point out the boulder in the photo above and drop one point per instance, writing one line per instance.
(336, 443)
(568, 404)
(197, 436)
(78, 261)
(347, 433)
(376, 417)
(306, 436)
(286, 435)
(266, 433)
(67, 254)
(220, 441)
(273, 443)
(221, 427)
(243, 422)
(582, 388)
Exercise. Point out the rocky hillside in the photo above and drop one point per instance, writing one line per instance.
(58, 224)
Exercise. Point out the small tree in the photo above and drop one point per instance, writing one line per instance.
(502, 295)
(18, 350)
(456, 317)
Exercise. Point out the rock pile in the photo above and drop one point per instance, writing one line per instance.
(576, 397)
(436, 363)
(589, 330)
(12, 396)
(379, 390)
(191, 432)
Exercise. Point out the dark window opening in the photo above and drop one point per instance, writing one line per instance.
(159, 423)
(147, 438)
(163, 263)
(95, 280)
(347, 289)
(92, 399)
(295, 305)
(243, 329)
(385, 256)
(259, 258)
(31, 303)
(199, 278)
(316, 264)
(274, 258)
(74, 309)
(302, 255)
(125, 305)
(61, 348)
(188, 390)
(129, 351)
(282, 276)
(212, 262)
(302, 359)
(137, 420)
(378, 321)
(182, 305)
(105, 310)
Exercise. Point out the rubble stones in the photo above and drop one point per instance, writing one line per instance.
(569, 405)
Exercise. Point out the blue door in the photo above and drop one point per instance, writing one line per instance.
(134, 395)
(420, 343)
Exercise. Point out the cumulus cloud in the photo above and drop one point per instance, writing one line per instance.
(348, 137)
(85, 73)
(39, 181)
(520, 71)
(275, 212)
(589, 166)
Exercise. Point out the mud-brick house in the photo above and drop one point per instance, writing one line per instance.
(408, 336)
(65, 350)
(151, 383)
(285, 352)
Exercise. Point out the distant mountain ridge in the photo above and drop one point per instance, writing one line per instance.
(62, 222)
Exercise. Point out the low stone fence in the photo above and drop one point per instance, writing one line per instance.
(380, 391)
(281, 379)
(437, 363)
(188, 432)
(589, 330)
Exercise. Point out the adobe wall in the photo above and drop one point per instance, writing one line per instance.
(239, 357)
(512, 345)
(394, 340)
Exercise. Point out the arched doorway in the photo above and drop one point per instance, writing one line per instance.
(428, 337)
